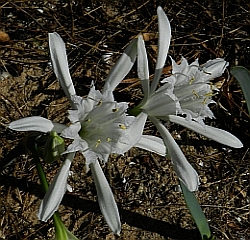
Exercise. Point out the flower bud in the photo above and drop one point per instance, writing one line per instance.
(54, 147)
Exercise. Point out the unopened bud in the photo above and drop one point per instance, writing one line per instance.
(54, 147)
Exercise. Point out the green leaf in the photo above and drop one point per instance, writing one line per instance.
(243, 77)
(196, 212)
(61, 232)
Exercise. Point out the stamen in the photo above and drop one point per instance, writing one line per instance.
(115, 110)
(212, 86)
(99, 103)
(210, 94)
(191, 80)
(87, 120)
(122, 126)
(207, 72)
(97, 143)
(108, 139)
(204, 101)
(195, 93)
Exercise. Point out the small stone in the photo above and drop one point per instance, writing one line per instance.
(4, 37)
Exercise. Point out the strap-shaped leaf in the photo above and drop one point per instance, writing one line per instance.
(243, 77)
(196, 212)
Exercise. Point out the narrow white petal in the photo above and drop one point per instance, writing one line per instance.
(122, 67)
(58, 127)
(90, 156)
(152, 144)
(36, 123)
(163, 46)
(77, 145)
(133, 134)
(71, 131)
(60, 63)
(56, 191)
(142, 66)
(105, 198)
(213, 68)
(215, 134)
(182, 167)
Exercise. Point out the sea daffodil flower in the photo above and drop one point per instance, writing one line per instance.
(186, 92)
(99, 127)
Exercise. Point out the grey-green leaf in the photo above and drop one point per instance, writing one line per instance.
(243, 77)
(196, 212)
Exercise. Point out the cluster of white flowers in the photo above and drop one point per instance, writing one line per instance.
(101, 126)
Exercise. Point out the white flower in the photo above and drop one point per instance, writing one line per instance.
(99, 127)
(186, 92)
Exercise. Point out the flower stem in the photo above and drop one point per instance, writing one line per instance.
(135, 111)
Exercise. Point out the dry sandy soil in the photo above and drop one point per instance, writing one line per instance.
(144, 184)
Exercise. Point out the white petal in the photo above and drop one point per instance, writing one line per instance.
(182, 167)
(142, 66)
(90, 156)
(36, 123)
(60, 63)
(58, 127)
(77, 145)
(71, 132)
(106, 199)
(215, 134)
(161, 104)
(56, 191)
(122, 67)
(133, 134)
(163, 46)
(152, 144)
(181, 68)
(213, 68)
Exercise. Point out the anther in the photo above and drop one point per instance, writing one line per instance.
(108, 139)
(191, 80)
(204, 101)
(99, 103)
(195, 93)
(210, 94)
(97, 143)
(122, 126)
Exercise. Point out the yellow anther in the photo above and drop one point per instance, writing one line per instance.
(211, 86)
(210, 94)
(191, 80)
(98, 142)
(115, 109)
(195, 93)
(108, 139)
(122, 126)
(87, 120)
(207, 72)
(204, 101)
(99, 103)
